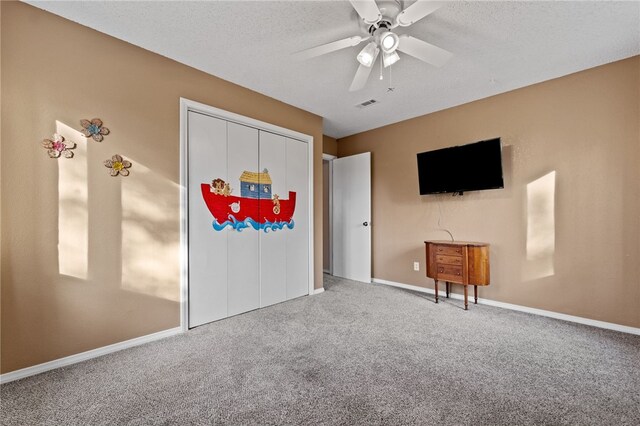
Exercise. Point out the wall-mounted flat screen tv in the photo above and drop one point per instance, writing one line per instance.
(472, 167)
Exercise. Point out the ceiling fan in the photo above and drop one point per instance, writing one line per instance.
(379, 20)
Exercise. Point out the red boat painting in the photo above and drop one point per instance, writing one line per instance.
(256, 207)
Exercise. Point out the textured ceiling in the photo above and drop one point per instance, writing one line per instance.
(497, 46)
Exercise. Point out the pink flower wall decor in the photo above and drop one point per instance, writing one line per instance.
(118, 166)
(93, 129)
(57, 146)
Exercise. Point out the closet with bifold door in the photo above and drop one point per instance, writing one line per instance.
(248, 218)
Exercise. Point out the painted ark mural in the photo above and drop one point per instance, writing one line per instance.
(256, 207)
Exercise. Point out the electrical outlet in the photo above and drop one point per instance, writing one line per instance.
(416, 266)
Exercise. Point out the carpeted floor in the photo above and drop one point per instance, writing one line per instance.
(356, 354)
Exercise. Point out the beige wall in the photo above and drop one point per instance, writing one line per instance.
(329, 145)
(116, 274)
(585, 128)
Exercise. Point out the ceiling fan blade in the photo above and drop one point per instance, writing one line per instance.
(417, 11)
(329, 47)
(424, 51)
(360, 79)
(368, 10)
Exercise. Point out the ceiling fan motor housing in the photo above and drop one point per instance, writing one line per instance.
(383, 25)
(389, 9)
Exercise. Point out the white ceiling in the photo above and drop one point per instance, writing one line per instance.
(497, 46)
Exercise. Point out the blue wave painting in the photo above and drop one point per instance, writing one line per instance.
(248, 222)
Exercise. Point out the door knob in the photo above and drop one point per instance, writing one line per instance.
(365, 223)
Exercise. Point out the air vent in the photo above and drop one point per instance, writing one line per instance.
(367, 103)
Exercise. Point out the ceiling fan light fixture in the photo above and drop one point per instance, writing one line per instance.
(368, 54)
(389, 42)
(390, 58)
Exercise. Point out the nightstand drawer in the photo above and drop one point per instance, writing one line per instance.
(449, 260)
(449, 250)
(449, 273)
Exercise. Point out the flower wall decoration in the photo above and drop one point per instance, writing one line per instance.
(118, 166)
(93, 129)
(57, 146)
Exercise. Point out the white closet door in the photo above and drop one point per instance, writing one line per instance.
(207, 158)
(243, 281)
(297, 257)
(273, 244)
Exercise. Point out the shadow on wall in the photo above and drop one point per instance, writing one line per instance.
(73, 209)
(541, 229)
(150, 235)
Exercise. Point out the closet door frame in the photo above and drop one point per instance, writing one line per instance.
(187, 106)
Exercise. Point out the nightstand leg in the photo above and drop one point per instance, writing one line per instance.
(465, 298)
(475, 293)
(436, 286)
(448, 288)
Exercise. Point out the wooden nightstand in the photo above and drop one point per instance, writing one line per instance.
(458, 262)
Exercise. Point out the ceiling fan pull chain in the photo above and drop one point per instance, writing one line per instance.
(381, 69)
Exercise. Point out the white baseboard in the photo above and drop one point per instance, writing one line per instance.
(83, 356)
(318, 290)
(541, 312)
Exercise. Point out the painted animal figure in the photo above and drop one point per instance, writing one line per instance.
(276, 204)
(217, 186)
(226, 191)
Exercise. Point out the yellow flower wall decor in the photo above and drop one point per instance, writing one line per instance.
(93, 129)
(57, 146)
(118, 166)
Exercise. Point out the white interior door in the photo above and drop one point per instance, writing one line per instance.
(351, 231)
(273, 245)
(298, 260)
(207, 249)
(240, 256)
(243, 264)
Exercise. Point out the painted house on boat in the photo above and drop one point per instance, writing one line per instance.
(255, 185)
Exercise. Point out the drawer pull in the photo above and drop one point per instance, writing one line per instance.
(441, 270)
